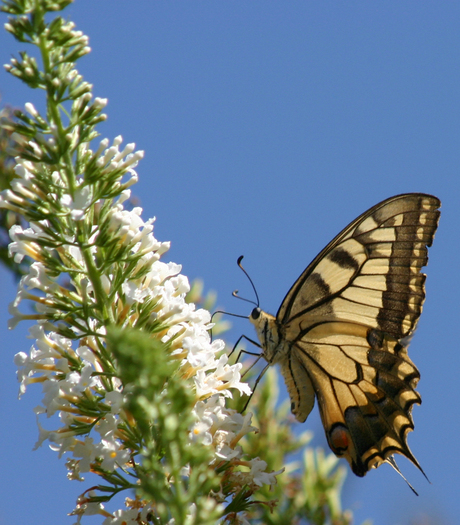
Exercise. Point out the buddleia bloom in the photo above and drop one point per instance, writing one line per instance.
(95, 272)
(134, 288)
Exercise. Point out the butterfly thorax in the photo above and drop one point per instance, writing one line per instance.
(271, 336)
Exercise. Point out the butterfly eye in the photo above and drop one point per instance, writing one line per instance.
(255, 314)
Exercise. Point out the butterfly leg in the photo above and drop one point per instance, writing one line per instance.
(255, 384)
(235, 346)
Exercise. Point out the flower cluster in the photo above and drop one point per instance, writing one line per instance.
(127, 412)
(135, 391)
(133, 288)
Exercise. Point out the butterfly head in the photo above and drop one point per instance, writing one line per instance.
(262, 322)
(268, 332)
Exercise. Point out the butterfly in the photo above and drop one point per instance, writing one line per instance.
(342, 331)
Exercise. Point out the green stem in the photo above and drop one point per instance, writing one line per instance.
(94, 277)
(53, 106)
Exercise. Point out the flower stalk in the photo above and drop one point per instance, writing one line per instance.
(135, 391)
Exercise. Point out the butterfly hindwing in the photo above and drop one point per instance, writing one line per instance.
(365, 384)
(342, 331)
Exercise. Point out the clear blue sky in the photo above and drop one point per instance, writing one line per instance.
(267, 127)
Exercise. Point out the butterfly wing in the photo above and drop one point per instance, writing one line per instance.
(348, 320)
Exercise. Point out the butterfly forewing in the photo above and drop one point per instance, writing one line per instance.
(343, 328)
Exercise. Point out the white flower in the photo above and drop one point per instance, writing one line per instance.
(38, 278)
(86, 453)
(108, 425)
(115, 400)
(112, 454)
(258, 474)
(100, 103)
(62, 442)
(30, 108)
(28, 365)
(86, 508)
(221, 380)
(86, 354)
(204, 421)
(52, 400)
(76, 382)
(230, 375)
(123, 517)
(43, 435)
(200, 352)
(80, 202)
(23, 243)
(133, 293)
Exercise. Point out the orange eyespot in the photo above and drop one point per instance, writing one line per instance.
(338, 439)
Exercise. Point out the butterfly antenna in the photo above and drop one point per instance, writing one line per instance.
(235, 293)
(228, 313)
(392, 462)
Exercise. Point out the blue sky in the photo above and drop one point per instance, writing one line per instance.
(267, 127)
